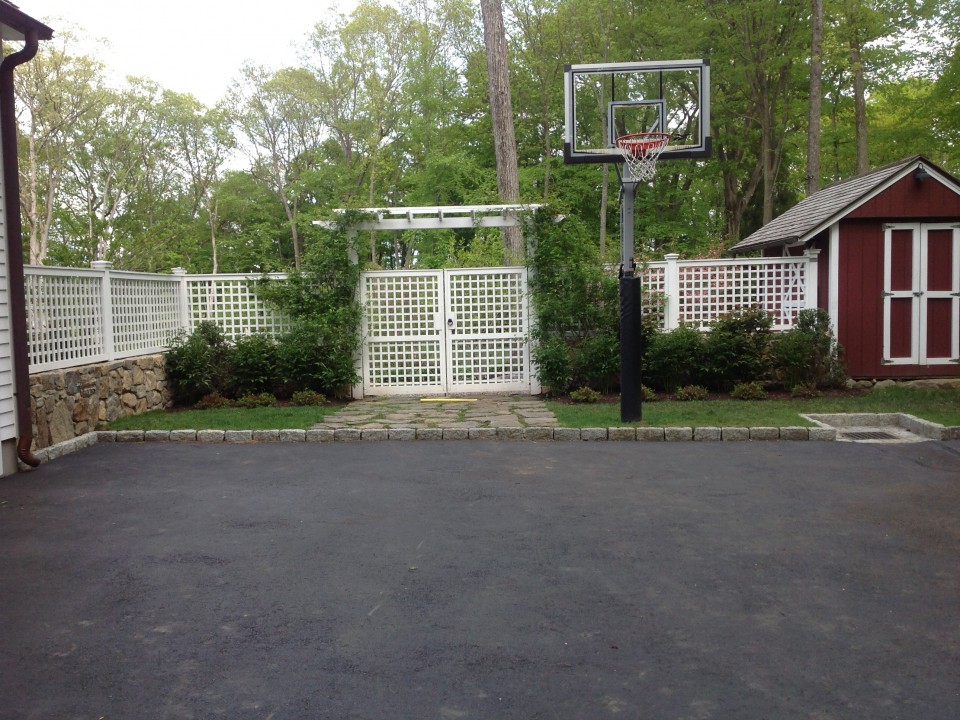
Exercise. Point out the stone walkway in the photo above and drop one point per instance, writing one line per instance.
(483, 411)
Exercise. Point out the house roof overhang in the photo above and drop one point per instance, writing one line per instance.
(814, 214)
(15, 24)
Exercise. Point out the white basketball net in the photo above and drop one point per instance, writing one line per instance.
(640, 152)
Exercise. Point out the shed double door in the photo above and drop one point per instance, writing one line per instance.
(921, 298)
(445, 331)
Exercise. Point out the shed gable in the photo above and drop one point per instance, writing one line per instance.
(909, 198)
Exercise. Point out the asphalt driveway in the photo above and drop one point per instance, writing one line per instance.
(483, 580)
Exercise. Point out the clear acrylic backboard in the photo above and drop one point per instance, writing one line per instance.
(604, 101)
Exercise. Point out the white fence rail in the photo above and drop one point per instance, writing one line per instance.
(77, 316)
(698, 292)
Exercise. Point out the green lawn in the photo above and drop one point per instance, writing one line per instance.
(940, 406)
(271, 418)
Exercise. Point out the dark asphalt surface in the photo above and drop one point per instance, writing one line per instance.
(469, 580)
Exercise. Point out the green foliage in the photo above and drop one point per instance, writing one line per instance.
(674, 358)
(805, 390)
(648, 394)
(254, 366)
(197, 364)
(735, 349)
(748, 391)
(689, 393)
(808, 354)
(256, 400)
(577, 307)
(552, 356)
(211, 401)
(304, 398)
(390, 106)
(317, 355)
(584, 395)
(318, 351)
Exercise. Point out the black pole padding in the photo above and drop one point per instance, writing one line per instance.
(631, 397)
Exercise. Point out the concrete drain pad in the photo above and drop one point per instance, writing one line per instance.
(869, 428)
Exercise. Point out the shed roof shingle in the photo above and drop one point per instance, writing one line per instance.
(814, 212)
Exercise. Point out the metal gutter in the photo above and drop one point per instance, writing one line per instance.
(11, 183)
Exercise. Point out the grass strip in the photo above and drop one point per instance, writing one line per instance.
(270, 418)
(936, 405)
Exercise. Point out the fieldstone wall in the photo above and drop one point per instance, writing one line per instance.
(69, 403)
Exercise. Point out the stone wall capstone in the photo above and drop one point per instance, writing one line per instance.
(69, 403)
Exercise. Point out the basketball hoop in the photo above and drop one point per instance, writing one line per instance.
(640, 151)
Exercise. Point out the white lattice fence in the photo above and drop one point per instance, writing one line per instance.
(654, 284)
(77, 316)
(453, 330)
(232, 303)
(64, 317)
(698, 292)
(145, 310)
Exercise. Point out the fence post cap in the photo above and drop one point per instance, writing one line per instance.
(812, 252)
(101, 264)
(178, 271)
(672, 256)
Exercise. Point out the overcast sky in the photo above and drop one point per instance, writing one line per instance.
(194, 46)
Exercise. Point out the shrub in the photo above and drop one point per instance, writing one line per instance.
(673, 358)
(735, 350)
(212, 401)
(804, 390)
(308, 397)
(577, 300)
(748, 391)
(318, 352)
(552, 358)
(254, 366)
(197, 363)
(585, 395)
(808, 354)
(256, 400)
(317, 355)
(690, 392)
(648, 394)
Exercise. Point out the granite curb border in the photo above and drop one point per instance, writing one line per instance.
(828, 428)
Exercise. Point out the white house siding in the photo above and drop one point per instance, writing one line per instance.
(8, 416)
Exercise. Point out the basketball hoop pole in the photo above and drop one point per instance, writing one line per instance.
(631, 397)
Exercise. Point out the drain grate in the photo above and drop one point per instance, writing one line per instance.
(869, 435)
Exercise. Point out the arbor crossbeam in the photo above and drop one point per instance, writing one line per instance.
(438, 217)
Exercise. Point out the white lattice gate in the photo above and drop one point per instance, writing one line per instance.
(446, 331)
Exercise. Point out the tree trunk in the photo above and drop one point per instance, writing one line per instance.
(768, 160)
(501, 108)
(860, 105)
(816, 97)
(212, 212)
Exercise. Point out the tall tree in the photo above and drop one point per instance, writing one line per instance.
(278, 115)
(57, 93)
(816, 96)
(203, 142)
(501, 109)
(119, 159)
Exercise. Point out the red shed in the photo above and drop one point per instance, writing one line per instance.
(889, 270)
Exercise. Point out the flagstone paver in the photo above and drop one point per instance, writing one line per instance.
(486, 411)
